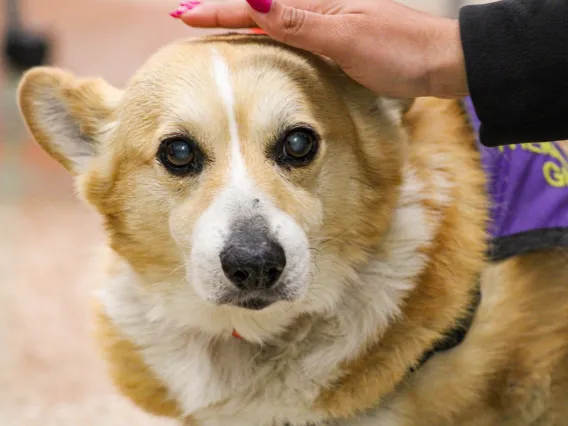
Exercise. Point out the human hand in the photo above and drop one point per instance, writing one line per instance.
(389, 48)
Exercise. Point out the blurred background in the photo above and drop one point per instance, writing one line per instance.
(50, 371)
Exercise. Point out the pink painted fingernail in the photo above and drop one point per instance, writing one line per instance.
(262, 6)
(184, 7)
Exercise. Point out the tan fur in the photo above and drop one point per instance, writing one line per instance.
(513, 367)
(455, 258)
(131, 374)
(511, 370)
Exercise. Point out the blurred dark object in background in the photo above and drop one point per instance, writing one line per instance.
(22, 47)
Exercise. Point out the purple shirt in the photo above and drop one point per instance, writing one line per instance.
(528, 187)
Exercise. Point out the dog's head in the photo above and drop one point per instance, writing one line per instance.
(233, 174)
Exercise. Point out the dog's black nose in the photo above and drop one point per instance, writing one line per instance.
(252, 260)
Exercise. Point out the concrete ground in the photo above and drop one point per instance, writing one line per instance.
(50, 371)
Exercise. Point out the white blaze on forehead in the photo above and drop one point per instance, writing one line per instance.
(240, 200)
(223, 80)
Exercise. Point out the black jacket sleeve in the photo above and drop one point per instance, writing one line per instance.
(516, 55)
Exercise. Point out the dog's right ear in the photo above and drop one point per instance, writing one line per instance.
(66, 115)
(396, 107)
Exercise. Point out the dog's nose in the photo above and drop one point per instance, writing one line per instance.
(253, 260)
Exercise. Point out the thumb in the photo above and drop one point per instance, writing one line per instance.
(297, 27)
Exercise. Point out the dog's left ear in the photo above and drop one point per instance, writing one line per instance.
(66, 115)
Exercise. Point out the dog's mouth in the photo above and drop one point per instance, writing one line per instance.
(256, 301)
(255, 304)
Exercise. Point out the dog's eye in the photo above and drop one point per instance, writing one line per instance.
(180, 156)
(299, 146)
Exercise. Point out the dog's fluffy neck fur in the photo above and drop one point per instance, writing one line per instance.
(286, 357)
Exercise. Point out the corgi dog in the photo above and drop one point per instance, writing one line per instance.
(286, 247)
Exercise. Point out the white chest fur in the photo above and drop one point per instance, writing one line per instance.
(219, 380)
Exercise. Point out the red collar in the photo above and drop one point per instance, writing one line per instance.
(236, 334)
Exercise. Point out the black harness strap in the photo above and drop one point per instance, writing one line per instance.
(456, 335)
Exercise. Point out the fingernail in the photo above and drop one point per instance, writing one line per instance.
(184, 7)
(262, 6)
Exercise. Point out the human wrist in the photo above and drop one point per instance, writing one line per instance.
(446, 75)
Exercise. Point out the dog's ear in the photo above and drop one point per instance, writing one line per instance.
(66, 115)
(397, 108)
